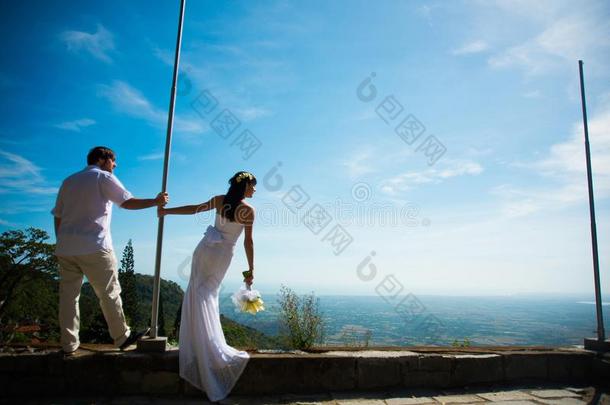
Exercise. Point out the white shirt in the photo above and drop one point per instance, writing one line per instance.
(84, 204)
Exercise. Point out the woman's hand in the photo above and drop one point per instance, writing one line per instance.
(248, 277)
(161, 212)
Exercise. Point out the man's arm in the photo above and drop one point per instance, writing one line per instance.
(114, 190)
(141, 203)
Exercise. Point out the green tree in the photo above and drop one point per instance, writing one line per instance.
(129, 289)
(93, 326)
(162, 330)
(24, 257)
(176, 329)
(301, 323)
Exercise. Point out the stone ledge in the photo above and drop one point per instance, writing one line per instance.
(104, 371)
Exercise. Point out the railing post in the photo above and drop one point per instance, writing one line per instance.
(153, 342)
(599, 344)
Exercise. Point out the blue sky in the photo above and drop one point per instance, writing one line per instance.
(495, 83)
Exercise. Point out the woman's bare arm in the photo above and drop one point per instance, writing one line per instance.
(249, 241)
(192, 209)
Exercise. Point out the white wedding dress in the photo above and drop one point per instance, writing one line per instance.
(206, 361)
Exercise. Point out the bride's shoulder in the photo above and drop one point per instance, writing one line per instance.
(245, 212)
(246, 206)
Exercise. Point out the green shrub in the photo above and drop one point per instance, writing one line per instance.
(466, 343)
(301, 323)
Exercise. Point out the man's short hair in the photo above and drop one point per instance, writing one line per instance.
(99, 152)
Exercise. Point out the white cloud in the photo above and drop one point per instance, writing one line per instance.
(460, 168)
(151, 156)
(8, 223)
(539, 11)
(159, 156)
(563, 40)
(76, 125)
(518, 202)
(471, 47)
(252, 113)
(232, 50)
(164, 55)
(426, 11)
(565, 166)
(408, 180)
(186, 68)
(478, 151)
(359, 164)
(131, 101)
(19, 175)
(194, 74)
(98, 44)
(532, 94)
(567, 159)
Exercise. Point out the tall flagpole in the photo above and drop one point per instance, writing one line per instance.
(600, 343)
(168, 143)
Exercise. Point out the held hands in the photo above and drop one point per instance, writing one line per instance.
(161, 199)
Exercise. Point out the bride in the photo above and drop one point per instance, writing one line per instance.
(206, 361)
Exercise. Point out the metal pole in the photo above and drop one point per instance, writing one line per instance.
(598, 297)
(168, 143)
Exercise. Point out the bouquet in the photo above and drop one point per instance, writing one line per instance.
(248, 300)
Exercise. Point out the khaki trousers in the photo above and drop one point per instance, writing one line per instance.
(102, 272)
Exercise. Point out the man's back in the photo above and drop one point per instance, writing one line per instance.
(84, 205)
(84, 247)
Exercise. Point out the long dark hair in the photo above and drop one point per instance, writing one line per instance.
(236, 193)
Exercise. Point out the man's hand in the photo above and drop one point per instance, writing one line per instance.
(160, 212)
(162, 199)
(141, 203)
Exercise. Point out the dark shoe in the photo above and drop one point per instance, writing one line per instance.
(133, 338)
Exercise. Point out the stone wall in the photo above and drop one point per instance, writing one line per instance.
(132, 373)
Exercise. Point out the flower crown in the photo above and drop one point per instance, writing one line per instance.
(244, 175)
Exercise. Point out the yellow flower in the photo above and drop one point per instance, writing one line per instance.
(253, 306)
(242, 176)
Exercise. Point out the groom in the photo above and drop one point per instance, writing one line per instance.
(84, 246)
